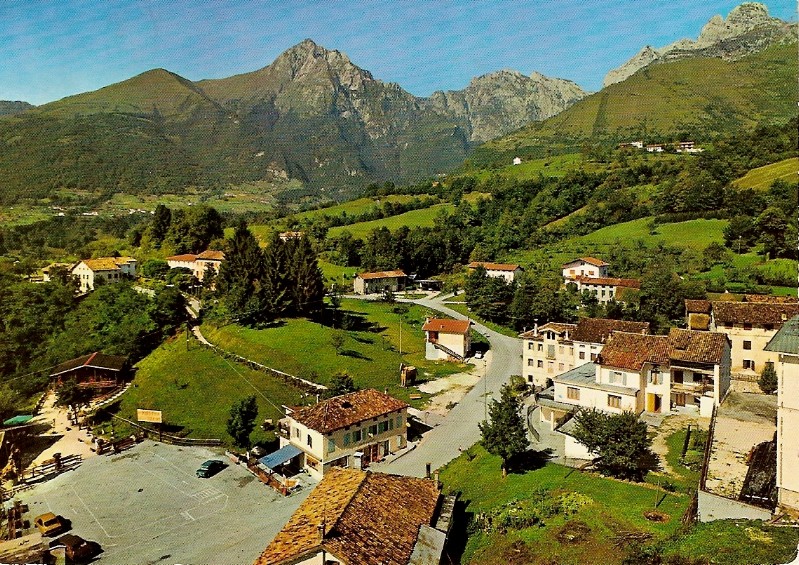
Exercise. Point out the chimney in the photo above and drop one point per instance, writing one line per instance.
(427, 470)
(321, 529)
(535, 328)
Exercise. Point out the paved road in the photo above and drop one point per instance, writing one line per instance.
(459, 429)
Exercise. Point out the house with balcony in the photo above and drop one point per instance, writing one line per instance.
(507, 271)
(447, 339)
(96, 371)
(584, 267)
(352, 430)
(555, 348)
(381, 281)
(360, 517)
(109, 270)
(785, 344)
(699, 367)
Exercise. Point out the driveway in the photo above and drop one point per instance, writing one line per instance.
(458, 430)
(147, 506)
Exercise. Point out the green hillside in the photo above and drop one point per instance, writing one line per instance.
(695, 97)
(422, 218)
(762, 177)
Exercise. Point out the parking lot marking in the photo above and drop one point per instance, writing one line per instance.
(188, 516)
(86, 506)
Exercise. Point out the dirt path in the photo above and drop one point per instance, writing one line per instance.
(72, 441)
(670, 425)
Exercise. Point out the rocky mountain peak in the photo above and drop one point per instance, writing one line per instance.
(747, 29)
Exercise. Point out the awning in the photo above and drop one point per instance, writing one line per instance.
(280, 456)
(18, 420)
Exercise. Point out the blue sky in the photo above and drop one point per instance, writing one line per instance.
(55, 48)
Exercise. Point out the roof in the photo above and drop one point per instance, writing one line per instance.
(103, 264)
(556, 327)
(280, 456)
(18, 420)
(446, 326)
(345, 410)
(590, 260)
(211, 255)
(698, 321)
(753, 312)
(597, 330)
(609, 281)
(585, 376)
(631, 350)
(382, 275)
(96, 359)
(697, 347)
(786, 340)
(494, 266)
(697, 306)
(363, 522)
(186, 257)
(770, 298)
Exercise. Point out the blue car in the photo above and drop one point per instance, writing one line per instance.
(210, 468)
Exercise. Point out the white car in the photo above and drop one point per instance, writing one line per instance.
(478, 354)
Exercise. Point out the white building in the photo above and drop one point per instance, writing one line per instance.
(197, 264)
(507, 271)
(605, 289)
(381, 281)
(447, 339)
(584, 267)
(108, 269)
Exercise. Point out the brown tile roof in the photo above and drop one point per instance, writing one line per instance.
(753, 312)
(96, 359)
(631, 350)
(494, 266)
(211, 255)
(368, 518)
(102, 264)
(383, 275)
(346, 410)
(610, 281)
(769, 298)
(696, 347)
(698, 322)
(186, 257)
(697, 306)
(597, 330)
(590, 260)
(556, 327)
(446, 326)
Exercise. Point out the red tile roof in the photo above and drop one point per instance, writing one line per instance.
(697, 347)
(347, 410)
(446, 326)
(609, 281)
(590, 260)
(753, 312)
(367, 518)
(96, 359)
(631, 350)
(697, 306)
(597, 330)
(382, 275)
(770, 298)
(185, 258)
(494, 266)
(211, 255)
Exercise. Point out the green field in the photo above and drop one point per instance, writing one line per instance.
(355, 207)
(370, 353)
(556, 166)
(196, 388)
(762, 177)
(422, 218)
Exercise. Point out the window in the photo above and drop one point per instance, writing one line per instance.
(560, 349)
(373, 430)
(749, 364)
(582, 355)
(768, 327)
(573, 393)
(677, 376)
(747, 345)
(747, 326)
(331, 446)
(391, 423)
(529, 345)
(728, 325)
(399, 421)
(347, 438)
(593, 357)
(540, 347)
(382, 427)
(560, 366)
(540, 364)
(531, 362)
(614, 401)
(357, 436)
(310, 441)
(616, 377)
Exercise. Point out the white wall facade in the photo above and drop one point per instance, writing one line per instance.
(787, 435)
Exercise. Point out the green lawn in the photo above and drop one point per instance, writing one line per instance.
(370, 353)
(461, 308)
(196, 388)
(357, 206)
(424, 217)
(762, 177)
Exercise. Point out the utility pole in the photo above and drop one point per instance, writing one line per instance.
(187, 335)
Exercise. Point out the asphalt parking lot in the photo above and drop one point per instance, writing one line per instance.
(147, 506)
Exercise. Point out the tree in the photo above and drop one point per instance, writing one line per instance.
(768, 379)
(620, 441)
(307, 284)
(69, 394)
(504, 434)
(337, 340)
(155, 269)
(242, 420)
(238, 282)
(771, 225)
(162, 218)
(340, 383)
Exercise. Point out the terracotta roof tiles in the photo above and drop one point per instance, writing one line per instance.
(446, 326)
(597, 330)
(382, 275)
(609, 281)
(347, 410)
(494, 266)
(590, 260)
(631, 350)
(753, 312)
(697, 306)
(696, 347)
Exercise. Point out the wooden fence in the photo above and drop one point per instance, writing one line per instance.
(168, 438)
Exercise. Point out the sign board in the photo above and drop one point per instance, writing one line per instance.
(152, 416)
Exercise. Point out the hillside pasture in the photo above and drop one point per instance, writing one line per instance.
(415, 218)
(762, 177)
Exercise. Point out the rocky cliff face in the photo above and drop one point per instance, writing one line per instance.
(11, 107)
(503, 101)
(747, 29)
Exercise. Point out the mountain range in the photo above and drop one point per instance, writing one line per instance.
(314, 116)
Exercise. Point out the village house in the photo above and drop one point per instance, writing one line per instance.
(686, 147)
(381, 281)
(49, 270)
(584, 267)
(507, 271)
(686, 370)
(107, 269)
(517, 160)
(287, 235)
(96, 371)
(197, 264)
(749, 326)
(655, 148)
(785, 344)
(358, 517)
(351, 430)
(555, 348)
(447, 339)
(605, 289)
(632, 144)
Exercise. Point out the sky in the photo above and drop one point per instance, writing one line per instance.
(55, 48)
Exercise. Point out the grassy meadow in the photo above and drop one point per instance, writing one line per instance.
(762, 177)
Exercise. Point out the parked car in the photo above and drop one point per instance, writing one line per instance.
(210, 468)
(478, 354)
(76, 548)
(50, 525)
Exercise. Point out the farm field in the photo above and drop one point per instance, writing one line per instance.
(422, 218)
(762, 177)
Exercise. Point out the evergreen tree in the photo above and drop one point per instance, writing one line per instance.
(307, 288)
(768, 379)
(340, 383)
(505, 434)
(242, 420)
(275, 280)
(239, 279)
(162, 218)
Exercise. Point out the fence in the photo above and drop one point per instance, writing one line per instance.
(168, 438)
